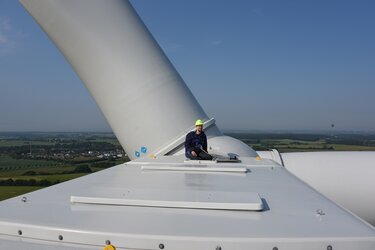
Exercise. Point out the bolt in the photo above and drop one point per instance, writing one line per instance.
(218, 248)
(329, 247)
(161, 246)
(275, 248)
(320, 212)
(24, 199)
(19, 232)
(61, 237)
(108, 242)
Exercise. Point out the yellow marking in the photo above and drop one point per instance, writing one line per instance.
(258, 158)
(109, 247)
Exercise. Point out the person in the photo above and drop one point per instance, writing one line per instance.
(196, 143)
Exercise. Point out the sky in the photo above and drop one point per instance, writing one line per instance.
(252, 65)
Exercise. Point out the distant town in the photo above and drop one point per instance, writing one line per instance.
(66, 148)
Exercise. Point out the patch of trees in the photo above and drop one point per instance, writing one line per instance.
(29, 182)
(73, 146)
(82, 169)
(31, 173)
(277, 136)
(104, 164)
(77, 170)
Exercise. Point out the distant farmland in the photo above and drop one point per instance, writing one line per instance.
(30, 161)
(307, 142)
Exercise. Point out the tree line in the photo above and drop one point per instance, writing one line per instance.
(29, 182)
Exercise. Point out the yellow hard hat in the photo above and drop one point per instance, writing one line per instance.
(199, 122)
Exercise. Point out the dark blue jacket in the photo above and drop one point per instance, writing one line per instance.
(194, 142)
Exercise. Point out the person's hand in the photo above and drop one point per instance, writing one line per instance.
(193, 153)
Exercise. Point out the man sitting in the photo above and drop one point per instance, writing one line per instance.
(196, 143)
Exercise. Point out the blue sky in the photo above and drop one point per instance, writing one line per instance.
(264, 65)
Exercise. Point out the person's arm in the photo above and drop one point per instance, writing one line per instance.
(188, 143)
(204, 146)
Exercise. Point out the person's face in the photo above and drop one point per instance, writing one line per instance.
(199, 128)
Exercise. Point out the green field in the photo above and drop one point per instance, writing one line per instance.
(314, 146)
(289, 145)
(52, 178)
(113, 141)
(340, 147)
(17, 143)
(48, 170)
(9, 192)
(9, 163)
